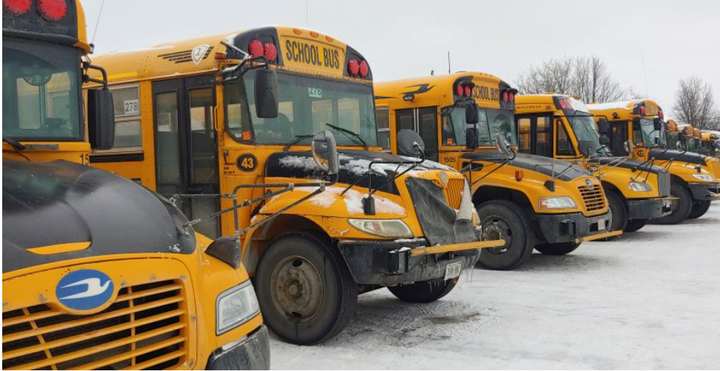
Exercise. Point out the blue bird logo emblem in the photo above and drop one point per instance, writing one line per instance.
(85, 289)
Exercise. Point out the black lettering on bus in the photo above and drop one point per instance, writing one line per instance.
(288, 50)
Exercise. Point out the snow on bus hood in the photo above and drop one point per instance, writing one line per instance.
(332, 197)
(354, 164)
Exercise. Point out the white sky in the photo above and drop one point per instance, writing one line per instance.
(661, 40)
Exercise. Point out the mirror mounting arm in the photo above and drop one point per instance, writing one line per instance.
(86, 78)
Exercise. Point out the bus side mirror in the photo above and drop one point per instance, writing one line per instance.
(471, 114)
(101, 119)
(266, 93)
(324, 151)
(657, 124)
(628, 146)
(603, 126)
(471, 139)
(636, 124)
(604, 140)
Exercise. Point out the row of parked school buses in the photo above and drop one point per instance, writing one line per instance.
(156, 201)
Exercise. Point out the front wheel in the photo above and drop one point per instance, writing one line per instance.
(680, 208)
(505, 220)
(557, 248)
(305, 291)
(634, 225)
(699, 209)
(619, 210)
(423, 292)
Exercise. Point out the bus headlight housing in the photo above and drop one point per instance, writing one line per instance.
(703, 177)
(391, 228)
(236, 306)
(639, 187)
(562, 202)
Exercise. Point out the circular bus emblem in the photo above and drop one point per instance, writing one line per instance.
(246, 162)
(85, 289)
(589, 184)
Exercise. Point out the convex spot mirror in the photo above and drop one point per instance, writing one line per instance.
(628, 145)
(503, 146)
(324, 151)
(101, 119)
(266, 93)
(410, 144)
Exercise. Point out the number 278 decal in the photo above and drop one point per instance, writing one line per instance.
(247, 162)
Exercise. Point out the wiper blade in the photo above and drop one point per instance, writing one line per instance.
(298, 139)
(14, 143)
(349, 133)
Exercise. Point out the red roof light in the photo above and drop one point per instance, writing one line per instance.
(353, 67)
(459, 90)
(16, 7)
(364, 68)
(505, 96)
(255, 48)
(52, 10)
(468, 91)
(642, 111)
(270, 51)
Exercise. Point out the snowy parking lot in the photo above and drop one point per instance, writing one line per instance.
(648, 300)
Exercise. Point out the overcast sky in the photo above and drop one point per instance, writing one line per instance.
(647, 45)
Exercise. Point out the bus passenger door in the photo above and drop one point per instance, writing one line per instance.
(535, 134)
(424, 122)
(186, 146)
(618, 136)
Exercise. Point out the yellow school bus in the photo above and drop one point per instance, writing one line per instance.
(220, 115)
(529, 201)
(636, 129)
(709, 142)
(636, 191)
(98, 272)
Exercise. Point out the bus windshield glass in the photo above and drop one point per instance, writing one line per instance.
(583, 126)
(491, 123)
(41, 92)
(648, 136)
(307, 104)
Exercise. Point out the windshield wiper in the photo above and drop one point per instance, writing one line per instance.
(298, 139)
(14, 143)
(348, 133)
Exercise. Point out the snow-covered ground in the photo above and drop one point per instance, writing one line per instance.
(649, 300)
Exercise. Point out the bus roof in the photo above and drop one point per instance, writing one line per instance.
(626, 110)
(439, 90)
(297, 49)
(30, 23)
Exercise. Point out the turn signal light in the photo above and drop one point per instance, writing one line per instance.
(518, 175)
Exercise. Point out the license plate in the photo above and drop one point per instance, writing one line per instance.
(601, 224)
(453, 270)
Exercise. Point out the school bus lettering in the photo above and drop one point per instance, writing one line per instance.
(486, 93)
(316, 55)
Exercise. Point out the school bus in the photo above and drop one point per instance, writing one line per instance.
(636, 191)
(98, 272)
(217, 115)
(636, 129)
(709, 142)
(529, 201)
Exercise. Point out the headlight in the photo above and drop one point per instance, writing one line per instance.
(557, 203)
(639, 187)
(391, 228)
(236, 306)
(703, 177)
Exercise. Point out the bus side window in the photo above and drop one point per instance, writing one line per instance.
(128, 132)
(524, 143)
(564, 146)
(543, 137)
(382, 116)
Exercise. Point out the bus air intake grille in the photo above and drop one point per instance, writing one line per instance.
(144, 328)
(594, 199)
(454, 192)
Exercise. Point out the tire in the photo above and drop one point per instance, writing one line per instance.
(557, 248)
(304, 288)
(699, 209)
(619, 209)
(423, 292)
(681, 208)
(504, 219)
(634, 225)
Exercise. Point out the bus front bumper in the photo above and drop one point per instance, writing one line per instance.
(390, 263)
(650, 208)
(574, 227)
(249, 353)
(705, 192)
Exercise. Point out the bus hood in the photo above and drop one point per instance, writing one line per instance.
(354, 165)
(540, 164)
(47, 205)
(675, 155)
(627, 163)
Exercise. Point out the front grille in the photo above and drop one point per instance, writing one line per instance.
(594, 198)
(454, 192)
(144, 328)
(664, 183)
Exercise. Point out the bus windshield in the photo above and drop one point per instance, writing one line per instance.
(647, 136)
(306, 105)
(491, 123)
(41, 91)
(583, 126)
